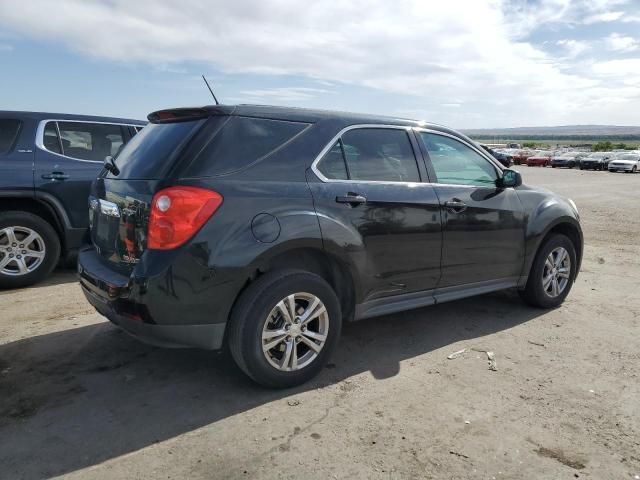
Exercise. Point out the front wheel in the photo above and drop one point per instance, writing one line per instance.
(552, 273)
(29, 249)
(284, 327)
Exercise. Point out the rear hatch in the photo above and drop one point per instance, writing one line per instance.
(119, 205)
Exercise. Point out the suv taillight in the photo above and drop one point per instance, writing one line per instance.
(177, 213)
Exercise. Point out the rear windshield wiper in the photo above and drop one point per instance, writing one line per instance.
(110, 165)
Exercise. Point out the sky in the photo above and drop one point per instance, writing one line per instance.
(462, 63)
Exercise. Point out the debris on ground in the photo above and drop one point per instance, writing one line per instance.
(456, 354)
(492, 361)
(293, 403)
(535, 343)
(457, 454)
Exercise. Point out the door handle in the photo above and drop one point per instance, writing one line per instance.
(55, 176)
(456, 205)
(353, 199)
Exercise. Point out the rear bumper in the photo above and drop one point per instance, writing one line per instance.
(108, 292)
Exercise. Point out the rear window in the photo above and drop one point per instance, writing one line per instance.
(153, 149)
(9, 129)
(241, 142)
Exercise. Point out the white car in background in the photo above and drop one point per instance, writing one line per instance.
(626, 162)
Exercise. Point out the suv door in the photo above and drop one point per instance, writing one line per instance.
(375, 212)
(16, 155)
(483, 225)
(69, 156)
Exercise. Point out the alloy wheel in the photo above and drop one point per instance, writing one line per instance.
(295, 332)
(556, 273)
(22, 250)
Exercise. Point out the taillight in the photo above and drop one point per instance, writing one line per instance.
(177, 213)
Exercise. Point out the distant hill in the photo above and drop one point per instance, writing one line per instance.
(551, 132)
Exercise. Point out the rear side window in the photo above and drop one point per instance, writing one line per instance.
(240, 142)
(372, 154)
(51, 139)
(9, 130)
(90, 141)
(153, 149)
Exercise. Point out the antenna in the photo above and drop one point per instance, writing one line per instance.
(209, 87)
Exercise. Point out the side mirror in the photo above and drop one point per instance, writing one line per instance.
(510, 178)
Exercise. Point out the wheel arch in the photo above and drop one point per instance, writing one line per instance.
(37, 207)
(321, 263)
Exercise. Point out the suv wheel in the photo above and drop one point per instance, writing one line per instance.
(29, 249)
(552, 273)
(284, 327)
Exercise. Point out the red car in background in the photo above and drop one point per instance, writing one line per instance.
(520, 157)
(540, 159)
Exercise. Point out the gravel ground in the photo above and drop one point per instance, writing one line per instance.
(81, 399)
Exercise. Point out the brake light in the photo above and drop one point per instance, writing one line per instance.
(177, 213)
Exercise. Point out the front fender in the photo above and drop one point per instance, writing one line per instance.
(547, 213)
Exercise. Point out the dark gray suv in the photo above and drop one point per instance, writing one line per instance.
(263, 228)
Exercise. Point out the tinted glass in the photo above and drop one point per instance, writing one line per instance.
(152, 151)
(240, 142)
(51, 140)
(90, 141)
(9, 129)
(332, 164)
(379, 154)
(455, 163)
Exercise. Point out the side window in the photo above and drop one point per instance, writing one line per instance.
(333, 165)
(90, 141)
(456, 163)
(9, 130)
(372, 154)
(51, 140)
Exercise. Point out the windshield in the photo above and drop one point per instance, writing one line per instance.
(596, 155)
(543, 154)
(153, 149)
(629, 156)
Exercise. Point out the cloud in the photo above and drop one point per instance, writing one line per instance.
(622, 43)
(573, 47)
(430, 55)
(286, 94)
(603, 17)
(5, 47)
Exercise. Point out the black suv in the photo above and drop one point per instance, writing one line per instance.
(47, 164)
(262, 228)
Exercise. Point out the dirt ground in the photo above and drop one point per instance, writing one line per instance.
(81, 399)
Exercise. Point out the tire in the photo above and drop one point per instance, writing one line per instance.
(580, 167)
(534, 293)
(553, 166)
(253, 313)
(23, 225)
(634, 169)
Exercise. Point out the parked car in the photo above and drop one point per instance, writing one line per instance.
(47, 164)
(540, 159)
(596, 161)
(520, 157)
(566, 159)
(262, 228)
(627, 162)
(504, 158)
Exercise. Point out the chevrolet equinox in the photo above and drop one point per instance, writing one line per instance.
(263, 228)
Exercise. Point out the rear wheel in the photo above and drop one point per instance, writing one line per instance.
(634, 169)
(552, 273)
(29, 249)
(284, 328)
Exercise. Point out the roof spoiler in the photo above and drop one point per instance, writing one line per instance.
(175, 115)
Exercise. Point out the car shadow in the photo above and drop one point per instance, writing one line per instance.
(79, 397)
